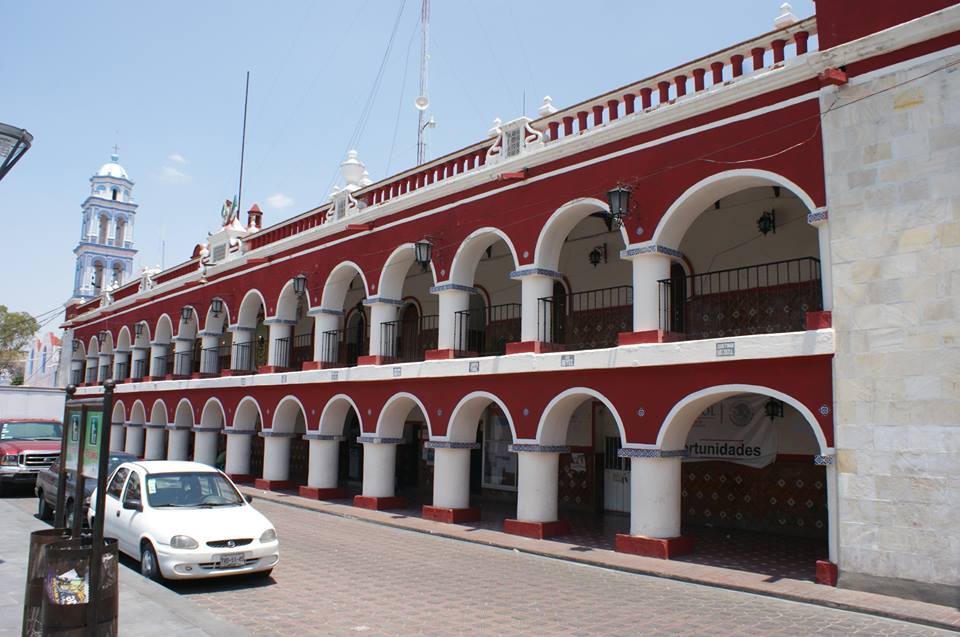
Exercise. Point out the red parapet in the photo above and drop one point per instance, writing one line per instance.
(801, 37)
(628, 103)
(736, 63)
(778, 53)
(757, 55)
(698, 81)
(680, 81)
(664, 88)
(716, 69)
(613, 110)
(582, 121)
(554, 130)
(568, 125)
(646, 98)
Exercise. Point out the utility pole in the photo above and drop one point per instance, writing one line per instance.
(423, 101)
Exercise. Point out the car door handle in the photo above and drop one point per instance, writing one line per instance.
(118, 514)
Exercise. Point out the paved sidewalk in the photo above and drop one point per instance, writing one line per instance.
(146, 608)
(784, 588)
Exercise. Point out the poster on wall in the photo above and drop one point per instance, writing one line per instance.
(73, 438)
(91, 446)
(734, 430)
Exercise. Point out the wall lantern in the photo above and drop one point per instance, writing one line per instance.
(185, 312)
(767, 223)
(138, 329)
(217, 307)
(597, 255)
(619, 201)
(774, 409)
(423, 252)
(76, 346)
(102, 336)
(300, 284)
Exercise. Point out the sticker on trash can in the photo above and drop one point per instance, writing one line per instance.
(67, 589)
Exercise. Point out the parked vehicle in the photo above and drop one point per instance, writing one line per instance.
(27, 446)
(46, 486)
(186, 520)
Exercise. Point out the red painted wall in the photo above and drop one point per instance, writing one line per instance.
(840, 21)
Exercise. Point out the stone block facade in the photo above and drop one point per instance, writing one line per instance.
(892, 155)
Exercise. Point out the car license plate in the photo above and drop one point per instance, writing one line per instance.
(229, 560)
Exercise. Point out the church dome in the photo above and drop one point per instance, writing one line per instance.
(112, 169)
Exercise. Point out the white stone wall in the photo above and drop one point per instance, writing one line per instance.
(893, 194)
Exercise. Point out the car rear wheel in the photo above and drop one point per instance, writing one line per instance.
(44, 510)
(149, 567)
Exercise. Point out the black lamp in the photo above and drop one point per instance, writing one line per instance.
(598, 254)
(185, 312)
(619, 201)
(138, 329)
(767, 223)
(773, 409)
(216, 306)
(102, 335)
(76, 346)
(300, 284)
(423, 252)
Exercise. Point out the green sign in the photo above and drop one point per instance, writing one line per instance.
(73, 438)
(91, 446)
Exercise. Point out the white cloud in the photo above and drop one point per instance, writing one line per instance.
(279, 201)
(173, 175)
(177, 158)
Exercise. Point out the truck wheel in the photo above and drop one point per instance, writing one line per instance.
(44, 511)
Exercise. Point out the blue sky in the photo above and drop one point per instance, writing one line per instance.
(164, 80)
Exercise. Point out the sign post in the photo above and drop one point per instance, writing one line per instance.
(75, 443)
(101, 447)
(68, 412)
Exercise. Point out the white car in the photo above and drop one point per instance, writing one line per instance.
(186, 520)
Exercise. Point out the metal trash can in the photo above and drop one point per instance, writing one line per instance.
(66, 588)
(36, 570)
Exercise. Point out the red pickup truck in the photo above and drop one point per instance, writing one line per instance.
(27, 446)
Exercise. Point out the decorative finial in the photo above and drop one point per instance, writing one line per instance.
(115, 157)
(547, 108)
(786, 17)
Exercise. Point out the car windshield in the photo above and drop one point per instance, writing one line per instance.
(30, 431)
(191, 489)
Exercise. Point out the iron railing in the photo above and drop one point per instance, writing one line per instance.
(281, 351)
(139, 369)
(104, 372)
(122, 370)
(758, 299)
(90, 374)
(76, 376)
(242, 357)
(183, 363)
(407, 341)
(486, 332)
(586, 320)
(159, 366)
(214, 359)
(302, 350)
(337, 350)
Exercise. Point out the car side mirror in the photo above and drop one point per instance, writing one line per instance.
(133, 505)
(248, 498)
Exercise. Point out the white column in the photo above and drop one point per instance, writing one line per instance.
(276, 457)
(178, 444)
(452, 300)
(451, 477)
(648, 269)
(655, 496)
(134, 440)
(537, 485)
(157, 350)
(833, 524)
(205, 446)
(209, 361)
(154, 447)
(238, 452)
(181, 345)
(116, 436)
(826, 272)
(103, 359)
(324, 458)
(277, 357)
(325, 320)
(379, 467)
(241, 335)
(534, 287)
(140, 354)
(92, 363)
(380, 312)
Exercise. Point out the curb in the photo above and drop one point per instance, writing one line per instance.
(295, 501)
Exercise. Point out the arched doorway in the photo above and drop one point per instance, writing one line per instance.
(342, 322)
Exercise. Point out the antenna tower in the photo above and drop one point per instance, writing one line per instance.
(423, 101)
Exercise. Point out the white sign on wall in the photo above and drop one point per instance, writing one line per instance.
(735, 430)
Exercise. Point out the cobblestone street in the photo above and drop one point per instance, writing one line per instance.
(347, 577)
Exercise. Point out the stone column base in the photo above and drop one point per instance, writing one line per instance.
(312, 365)
(241, 478)
(447, 354)
(273, 369)
(826, 573)
(274, 485)
(448, 515)
(659, 547)
(376, 360)
(379, 504)
(320, 493)
(536, 530)
(534, 347)
(649, 336)
(819, 320)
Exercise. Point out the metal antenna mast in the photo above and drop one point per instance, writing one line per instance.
(243, 144)
(423, 101)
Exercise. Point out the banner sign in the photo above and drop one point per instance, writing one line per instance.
(91, 446)
(735, 430)
(73, 439)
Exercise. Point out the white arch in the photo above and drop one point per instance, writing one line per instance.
(287, 302)
(138, 413)
(465, 416)
(191, 325)
(118, 410)
(144, 339)
(164, 331)
(158, 412)
(561, 223)
(285, 414)
(247, 314)
(219, 321)
(333, 418)
(106, 347)
(93, 347)
(463, 267)
(213, 409)
(247, 409)
(335, 288)
(697, 198)
(555, 420)
(123, 339)
(394, 414)
(81, 352)
(673, 432)
(395, 269)
(183, 412)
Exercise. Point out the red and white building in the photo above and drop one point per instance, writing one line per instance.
(737, 344)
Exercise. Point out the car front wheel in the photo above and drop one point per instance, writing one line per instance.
(149, 567)
(44, 511)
